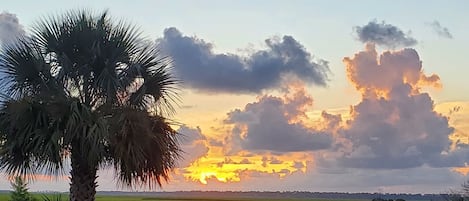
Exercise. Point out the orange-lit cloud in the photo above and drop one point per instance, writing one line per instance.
(394, 125)
(244, 165)
(458, 114)
(462, 170)
(375, 76)
(247, 152)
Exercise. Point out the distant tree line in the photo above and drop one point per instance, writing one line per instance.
(381, 199)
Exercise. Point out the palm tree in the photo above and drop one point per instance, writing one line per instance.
(85, 89)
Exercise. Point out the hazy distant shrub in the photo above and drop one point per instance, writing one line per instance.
(20, 190)
(458, 195)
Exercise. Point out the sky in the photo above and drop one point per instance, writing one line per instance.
(342, 96)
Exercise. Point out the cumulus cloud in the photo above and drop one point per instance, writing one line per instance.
(395, 124)
(275, 124)
(371, 73)
(384, 34)
(200, 68)
(440, 30)
(10, 28)
(194, 145)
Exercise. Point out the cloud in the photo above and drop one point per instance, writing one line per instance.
(194, 145)
(370, 72)
(384, 34)
(412, 180)
(200, 68)
(10, 28)
(458, 114)
(440, 30)
(298, 165)
(274, 160)
(395, 125)
(276, 124)
(229, 161)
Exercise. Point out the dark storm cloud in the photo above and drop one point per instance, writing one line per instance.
(266, 125)
(440, 30)
(383, 34)
(10, 28)
(199, 67)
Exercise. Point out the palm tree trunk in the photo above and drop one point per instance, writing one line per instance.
(83, 178)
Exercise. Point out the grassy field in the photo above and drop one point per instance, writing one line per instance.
(6, 197)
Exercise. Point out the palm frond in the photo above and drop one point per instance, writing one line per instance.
(24, 70)
(87, 52)
(144, 148)
(155, 87)
(87, 128)
(31, 138)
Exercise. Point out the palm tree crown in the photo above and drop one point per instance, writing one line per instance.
(92, 90)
